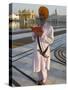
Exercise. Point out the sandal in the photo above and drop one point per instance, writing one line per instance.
(39, 82)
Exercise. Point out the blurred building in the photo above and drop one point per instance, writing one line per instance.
(57, 20)
(26, 18)
(14, 21)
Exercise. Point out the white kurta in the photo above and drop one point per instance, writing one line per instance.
(47, 38)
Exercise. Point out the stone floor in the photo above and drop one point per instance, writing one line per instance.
(22, 73)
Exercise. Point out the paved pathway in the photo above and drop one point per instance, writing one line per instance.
(22, 73)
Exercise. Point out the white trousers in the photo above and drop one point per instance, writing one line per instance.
(42, 75)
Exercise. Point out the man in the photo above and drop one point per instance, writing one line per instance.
(41, 61)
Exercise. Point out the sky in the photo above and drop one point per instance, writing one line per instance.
(61, 10)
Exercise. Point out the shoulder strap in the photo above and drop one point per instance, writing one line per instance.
(40, 47)
(39, 44)
(45, 50)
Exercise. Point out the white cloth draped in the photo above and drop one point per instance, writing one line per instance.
(47, 38)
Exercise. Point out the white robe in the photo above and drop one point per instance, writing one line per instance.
(47, 38)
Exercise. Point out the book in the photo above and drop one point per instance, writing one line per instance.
(37, 30)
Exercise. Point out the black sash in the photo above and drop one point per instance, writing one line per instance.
(41, 52)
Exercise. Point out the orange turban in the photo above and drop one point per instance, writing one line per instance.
(43, 11)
